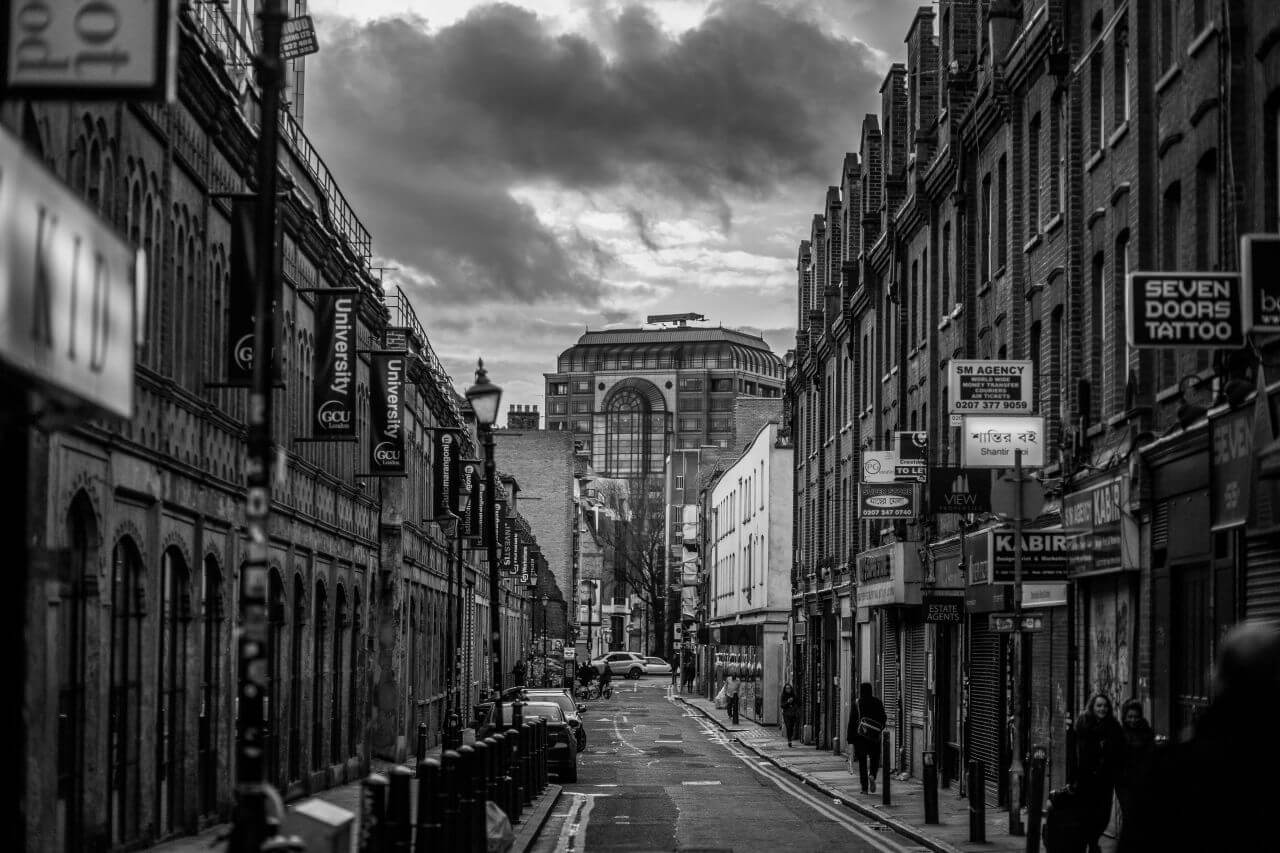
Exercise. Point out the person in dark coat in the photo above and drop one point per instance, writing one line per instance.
(1139, 743)
(866, 724)
(1218, 789)
(1099, 758)
(790, 704)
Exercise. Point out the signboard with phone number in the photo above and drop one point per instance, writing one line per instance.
(990, 386)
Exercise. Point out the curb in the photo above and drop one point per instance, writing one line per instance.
(904, 829)
(531, 824)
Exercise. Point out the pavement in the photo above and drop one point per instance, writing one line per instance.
(348, 797)
(830, 774)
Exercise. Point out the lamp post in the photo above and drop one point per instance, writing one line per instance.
(545, 676)
(485, 397)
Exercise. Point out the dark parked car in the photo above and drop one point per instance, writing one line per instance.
(572, 710)
(563, 756)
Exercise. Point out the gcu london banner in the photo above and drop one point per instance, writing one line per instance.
(242, 295)
(445, 472)
(334, 391)
(386, 409)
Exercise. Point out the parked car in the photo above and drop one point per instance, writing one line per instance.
(563, 757)
(656, 666)
(629, 664)
(573, 711)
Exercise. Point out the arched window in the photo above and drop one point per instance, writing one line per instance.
(353, 685)
(275, 670)
(171, 689)
(82, 533)
(295, 679)
(124, 752)
(341, 627)
(211, 615)
(319, 676)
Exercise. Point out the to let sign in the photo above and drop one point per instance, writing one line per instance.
(1196, 309)
(995, 387)
(67, 287)
(84, 49)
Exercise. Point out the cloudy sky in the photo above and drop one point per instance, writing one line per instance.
(537, 168)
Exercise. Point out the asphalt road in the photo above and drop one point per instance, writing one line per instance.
(657, 776)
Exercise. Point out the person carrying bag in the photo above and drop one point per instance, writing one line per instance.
(866, 727)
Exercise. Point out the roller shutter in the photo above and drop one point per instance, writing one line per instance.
(1262, 576)
(913, 693)
(986, 700)
(889, 662)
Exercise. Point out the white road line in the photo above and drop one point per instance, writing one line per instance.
(624, 741)
(797, 791)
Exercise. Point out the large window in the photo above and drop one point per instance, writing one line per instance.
(1120, 73)
(128, 622)
(984, 269)
(627, 444)
(1096, 347)
(1033, 182)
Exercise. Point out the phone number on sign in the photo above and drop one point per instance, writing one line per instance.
(989, 405)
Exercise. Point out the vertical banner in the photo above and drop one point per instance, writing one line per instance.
(334, 389)
(470, 485)
(386, 410)
(240, 294)
(524, 560)
(445, 472)
(504, 546)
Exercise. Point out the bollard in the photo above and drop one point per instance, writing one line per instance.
(422, 742)
(480, 787)
(466, 798)
(494, 776)
(429, 805)
(527, 741)
(929, 759)
(1035, 797)
(399, 832)
(515, 794)
(546, 754)
(977, 802)
(449, 817)
(373, 811)
(885, 753)
(542, 756)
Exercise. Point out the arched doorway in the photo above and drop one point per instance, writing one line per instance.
(172, 654)
(128, 623)
(275, 671)
(295, 680)
(354, 710)
(319, 678)
(341, 626)
(80, 571)
(211, 614)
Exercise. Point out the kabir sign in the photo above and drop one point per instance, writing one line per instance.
(1195, 309)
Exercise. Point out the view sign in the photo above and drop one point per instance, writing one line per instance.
(1194, 309)
(67, 287)
(112, 49)
(994, 387)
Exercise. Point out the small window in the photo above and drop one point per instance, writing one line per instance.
(582, 387)
(558, 388)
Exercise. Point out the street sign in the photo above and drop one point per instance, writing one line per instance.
(913, 456)
(1007, 623)
(123, 50)
(67, 287)
(878, 466)
(1259, 266)
(1185, 309)
(1004, 496)
(887, 500)
(990, 386)
(988, 441)
(943, 608)
(298, 38)
(570, 653)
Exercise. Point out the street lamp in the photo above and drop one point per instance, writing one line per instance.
(545, 677)
(485, 397)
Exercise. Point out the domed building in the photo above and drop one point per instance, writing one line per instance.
(630, 396)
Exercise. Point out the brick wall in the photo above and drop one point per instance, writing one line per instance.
(542, 463)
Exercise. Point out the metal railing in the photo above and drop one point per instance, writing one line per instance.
(403, 316)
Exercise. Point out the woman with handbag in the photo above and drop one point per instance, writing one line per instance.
(790, 711)
(866, 724)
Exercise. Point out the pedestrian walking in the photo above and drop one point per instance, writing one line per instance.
(1139, 743)
(790, 704)
(732, 686)
(1100, 749)
(517, 672)
(866, 726)
(674, 660)
(1218, 789)
(688, 671)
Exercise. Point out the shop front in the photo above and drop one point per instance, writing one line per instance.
(888, 602)
(942, 607)
(755, 653)
(984, 706)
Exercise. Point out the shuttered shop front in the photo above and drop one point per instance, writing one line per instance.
(889, 663)
(986, 701)
(1262, 576)
(913, 693)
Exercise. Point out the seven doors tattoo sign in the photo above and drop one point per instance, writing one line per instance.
(386, 403)
(1186, 309)
(334, 391)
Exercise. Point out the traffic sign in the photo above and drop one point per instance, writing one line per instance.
(1007, 623)
(1004, 496)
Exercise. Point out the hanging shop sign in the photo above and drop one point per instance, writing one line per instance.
(887, 500)
(959, 490)
(1093, 517)
(1193, 309)
(889, 574)
(511, 550)
(333, 392)
(1044, 595)
(68, 285)
(109, 49)
(991, 387)
(1007, 623)
(912, 449)
(948, 609)
(1045, 556)
(989, 441)
(977, 557)
(1259, 260)
(446, 471)
(1231, 474)
(469, 485)
(526, 564)
(878, 466)
(386, 410)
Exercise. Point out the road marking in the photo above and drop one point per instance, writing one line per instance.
(668, 741)
(606, 785)
(706, 782)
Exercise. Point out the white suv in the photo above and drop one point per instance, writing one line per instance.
(629, 664)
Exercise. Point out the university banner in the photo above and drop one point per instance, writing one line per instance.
(386, 413)
(445, 471)
(334, 389)
(242, 295)
(470, 485)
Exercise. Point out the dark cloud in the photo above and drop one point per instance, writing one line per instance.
(429, 132)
